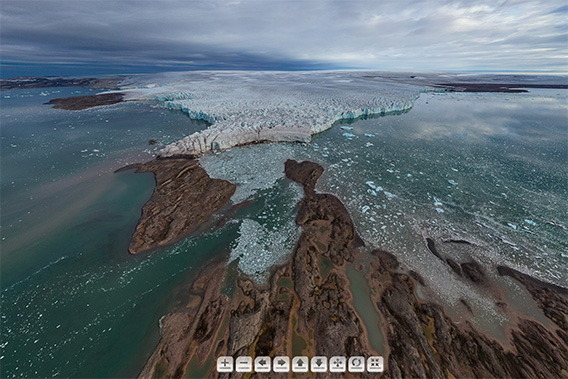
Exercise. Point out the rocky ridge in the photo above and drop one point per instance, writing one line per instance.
(306, 309)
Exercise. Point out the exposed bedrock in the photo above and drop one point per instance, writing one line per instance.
(191, 330)
(300, 311)
(424, 342)
(302, 303)
(306, 308)
(184, 197)
(550, 298)
(77, 103)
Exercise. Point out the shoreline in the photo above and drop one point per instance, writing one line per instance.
(79, 103)
(304, 306)
(184, 197)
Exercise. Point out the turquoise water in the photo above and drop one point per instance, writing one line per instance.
(74, 303)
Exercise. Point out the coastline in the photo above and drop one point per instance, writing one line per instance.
(78, 103)
(547, 298)
(303, 305)
(184, 197)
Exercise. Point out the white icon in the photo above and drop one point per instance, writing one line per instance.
(300, 364)
(281, 364)
(262, 364)
(225, 364)
(243, 364)
(337, 364)
(319, 364)
(375, 364)
(356, 364)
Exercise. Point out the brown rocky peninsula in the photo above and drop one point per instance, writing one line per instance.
(78, 103)
(306, 308)
(184, 197)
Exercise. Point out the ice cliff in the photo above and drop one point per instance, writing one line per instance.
(248, 107)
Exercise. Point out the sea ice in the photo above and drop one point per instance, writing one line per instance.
(259, 248)
(389, 195)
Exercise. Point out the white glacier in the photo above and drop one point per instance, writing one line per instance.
(249, 107)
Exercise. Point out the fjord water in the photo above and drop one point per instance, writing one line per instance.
(489, 168)
(74, 302)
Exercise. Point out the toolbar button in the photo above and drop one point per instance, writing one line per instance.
(243, 364)
(262, 364)
(300, 364)
(319, 364)
(281, 364)
(375, 364)
(225, 364)
(356, 364)
(337, 364)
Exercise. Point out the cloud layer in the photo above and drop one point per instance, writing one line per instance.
(523, 35)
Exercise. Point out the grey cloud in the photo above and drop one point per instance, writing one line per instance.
(251, 34)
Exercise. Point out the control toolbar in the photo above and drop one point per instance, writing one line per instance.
(300, 364)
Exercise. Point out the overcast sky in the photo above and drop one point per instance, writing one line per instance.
(76, 36)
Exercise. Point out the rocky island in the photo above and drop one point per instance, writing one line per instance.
(78, 103)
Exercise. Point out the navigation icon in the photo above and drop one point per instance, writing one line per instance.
(262, 364)
(319, 364)
(338, 364)
(225, 364)
(243, 364)
(356, 364)
(375, 364)
(300, 364)
(281, 364)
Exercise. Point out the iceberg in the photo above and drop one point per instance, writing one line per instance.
(251, 107)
